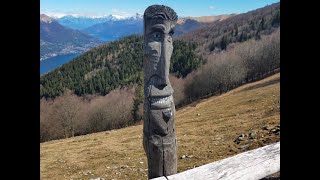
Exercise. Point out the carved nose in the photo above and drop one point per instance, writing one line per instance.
(161, 86)
(164, 77)
(164, 63)
(158, 81)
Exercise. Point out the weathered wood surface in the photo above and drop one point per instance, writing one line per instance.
(251, 165)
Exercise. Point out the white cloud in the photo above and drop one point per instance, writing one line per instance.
(54, 14)
(211, 7)
(119, 12)
(59, 14)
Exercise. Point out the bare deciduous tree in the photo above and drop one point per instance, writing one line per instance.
(65, 111)
(242, 62)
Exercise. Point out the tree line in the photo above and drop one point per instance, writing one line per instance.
(112, 65)
(242, 63)
(70, 115)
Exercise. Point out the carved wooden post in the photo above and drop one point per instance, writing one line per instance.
(159, 136)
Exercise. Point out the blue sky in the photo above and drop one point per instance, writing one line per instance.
(130, 7)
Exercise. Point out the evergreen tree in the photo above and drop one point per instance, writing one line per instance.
(212, 46)
(112, 65)
(276, 19)
(138, 100)
(223, 43)
(235, 29)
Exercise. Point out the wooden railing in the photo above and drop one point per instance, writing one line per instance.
(251, 165)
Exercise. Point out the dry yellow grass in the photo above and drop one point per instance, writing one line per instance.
(205, 130)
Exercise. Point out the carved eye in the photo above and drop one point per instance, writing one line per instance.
(156, 36)
(171, 33)
(169, 38)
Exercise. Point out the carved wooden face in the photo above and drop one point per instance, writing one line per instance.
(157, 53)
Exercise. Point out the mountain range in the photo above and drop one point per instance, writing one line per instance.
(77, 34)
(56, 39)
(83, 22)
(119, 63)
(113, 27)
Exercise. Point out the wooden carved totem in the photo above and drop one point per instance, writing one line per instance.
(159, 136)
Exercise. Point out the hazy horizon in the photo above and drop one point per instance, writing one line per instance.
(126, 8)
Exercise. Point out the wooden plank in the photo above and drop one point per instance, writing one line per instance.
(251, 165)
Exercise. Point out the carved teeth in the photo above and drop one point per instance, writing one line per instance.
(161, 100)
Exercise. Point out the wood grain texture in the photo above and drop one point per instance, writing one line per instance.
(251, 165)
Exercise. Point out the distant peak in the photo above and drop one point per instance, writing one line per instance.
(45, 18)
(113, 17)
(117, 16)
(139, 15)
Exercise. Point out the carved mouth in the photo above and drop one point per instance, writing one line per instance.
(161, 102)
(155, 56)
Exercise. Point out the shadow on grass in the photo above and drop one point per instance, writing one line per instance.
(261, 85)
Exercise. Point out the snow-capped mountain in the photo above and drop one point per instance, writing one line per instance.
(56, 39)
(83, 22)
(114, 29)
(137, 16)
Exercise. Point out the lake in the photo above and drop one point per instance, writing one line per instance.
(52, 63)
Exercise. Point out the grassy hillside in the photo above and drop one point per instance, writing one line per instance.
(206, 132)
